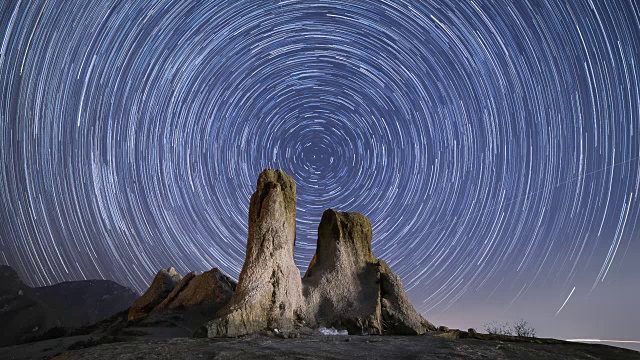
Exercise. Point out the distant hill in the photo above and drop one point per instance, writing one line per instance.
(29, 313)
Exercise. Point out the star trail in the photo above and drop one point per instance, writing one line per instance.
(493, 144)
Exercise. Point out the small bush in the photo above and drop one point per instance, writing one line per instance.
(496, 328)
(522, 328)
(519, 328)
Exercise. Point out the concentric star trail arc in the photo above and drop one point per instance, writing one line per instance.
(492, 144)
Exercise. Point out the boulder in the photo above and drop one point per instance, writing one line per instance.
(347, 287)
(268, 294)
(472, 332)
(162, 285)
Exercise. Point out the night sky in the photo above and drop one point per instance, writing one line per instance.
(492, 144)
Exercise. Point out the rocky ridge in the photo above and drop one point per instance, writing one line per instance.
(162, 285)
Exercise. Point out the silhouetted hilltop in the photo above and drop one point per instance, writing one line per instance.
(27, 313)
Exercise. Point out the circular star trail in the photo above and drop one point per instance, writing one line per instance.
(493, 144)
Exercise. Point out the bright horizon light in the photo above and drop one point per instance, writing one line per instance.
(611, 341)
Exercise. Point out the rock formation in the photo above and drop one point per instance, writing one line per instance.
(202, 294)
(173, 295)
(347, 287)
(344, 287)
(206, 293)
(162, 285)
(269, 293)
(338, 284)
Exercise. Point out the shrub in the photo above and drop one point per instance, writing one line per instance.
(496, 328)
(522, 328)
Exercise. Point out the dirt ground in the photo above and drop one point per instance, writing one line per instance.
(431, 346)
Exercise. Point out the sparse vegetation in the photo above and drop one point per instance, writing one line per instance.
(522, 328)
(519, 328)
(496, 328)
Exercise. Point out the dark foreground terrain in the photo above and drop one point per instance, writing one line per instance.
(430, 346)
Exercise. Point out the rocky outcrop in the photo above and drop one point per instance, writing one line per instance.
(173, 295)
(347, 287)
(207, 293)
(269, 293)
(162, 285)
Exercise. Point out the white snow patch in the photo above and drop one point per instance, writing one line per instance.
(333, 331)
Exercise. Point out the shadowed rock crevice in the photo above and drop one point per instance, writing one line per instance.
(175, 292)
(162, 285)
(193, 296)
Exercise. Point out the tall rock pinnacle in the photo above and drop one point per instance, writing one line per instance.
(346, 286)
(269, 291)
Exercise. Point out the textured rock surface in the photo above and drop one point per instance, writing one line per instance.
(177, 290)
(269, 292)
(207, 292)
(162, 285)
(340, 286)
(347, 287)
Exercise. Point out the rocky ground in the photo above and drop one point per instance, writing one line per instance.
(261, 346)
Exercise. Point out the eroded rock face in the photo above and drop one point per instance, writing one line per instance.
(347, 287)
(162, 285)
(269, 293)
(344, 287)
(177, 290)
(340, 285)
(207, 292)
